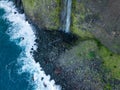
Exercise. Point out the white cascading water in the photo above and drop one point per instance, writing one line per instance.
(68, 15)
(22, 29)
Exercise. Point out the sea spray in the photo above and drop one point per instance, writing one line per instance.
(21, 32)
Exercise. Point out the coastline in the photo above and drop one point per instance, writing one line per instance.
(28, 44)
(51, 44)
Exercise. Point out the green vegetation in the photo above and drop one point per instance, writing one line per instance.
(87, 49)
(54, 16)
(78, 26)
(29, 6)
(90, 49)
(84, 50)
(111, 61)
(108, 87)
(44, 12)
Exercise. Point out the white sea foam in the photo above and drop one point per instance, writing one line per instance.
(22, 31)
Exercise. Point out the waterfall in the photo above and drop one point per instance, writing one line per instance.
(66, 15)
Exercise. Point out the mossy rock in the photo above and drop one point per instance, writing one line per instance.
(80, 61)
(98, 18)
(111, 61)
(79, 12)
(90, 57)
(84, 50)
(44, 13)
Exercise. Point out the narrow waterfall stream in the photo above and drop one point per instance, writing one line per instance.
(66, 15)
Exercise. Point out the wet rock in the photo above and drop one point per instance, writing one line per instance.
(42, 78)
(19, 5)
(50, 46)
(57, 71)
(44, 85)
(15, 12)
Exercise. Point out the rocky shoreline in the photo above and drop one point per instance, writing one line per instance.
(54, 53)
(51, 44)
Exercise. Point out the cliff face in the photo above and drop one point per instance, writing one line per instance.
(89, 18)
(45, 13)
(101, 18)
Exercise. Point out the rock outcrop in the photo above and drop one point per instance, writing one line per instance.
(89, 18)
(101, 18)
(19, 5)
(44, 13)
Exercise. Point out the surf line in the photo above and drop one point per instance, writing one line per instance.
(21, 32)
